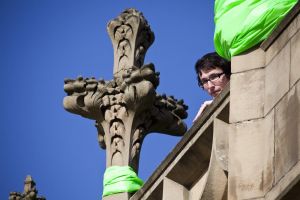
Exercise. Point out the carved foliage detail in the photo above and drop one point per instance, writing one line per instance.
(126, 109)
(131, 37)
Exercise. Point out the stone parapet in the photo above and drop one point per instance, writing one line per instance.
(264, 113)
(197, 166)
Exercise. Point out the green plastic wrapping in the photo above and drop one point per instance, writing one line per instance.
(242, 24)
(119, 179)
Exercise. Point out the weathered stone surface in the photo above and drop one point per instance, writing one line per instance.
(173, 190)
(276, 46)
(298, 99)
(292, 28)
(282, 40)
(193, 160)
(221, 145)
(216, 186)
(295, 59)
(277, 78)
(131, 36)
(251, 152)
(252, 59)
(247, 95)
(298, 22)
(288, 181)
(197, 190)
(286, 133)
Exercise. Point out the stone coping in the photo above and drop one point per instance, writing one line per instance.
(281, 27)
(183, 142)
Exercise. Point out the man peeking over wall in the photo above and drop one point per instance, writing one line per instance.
(213, 74)
(239, 26)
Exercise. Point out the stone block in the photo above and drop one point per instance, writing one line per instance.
(247, 95)
(277, 45)
(298, 22)
(292, 28)
(173, 190)
(252, 59)
(298, 111)
(118, 196)
(216, 186)
(295, 59)
(277, 78)
(251, 153)
(286, 134)
(197, 190)
(220, 144)
(282, 40)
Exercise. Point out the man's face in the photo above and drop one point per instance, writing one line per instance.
(213, 80)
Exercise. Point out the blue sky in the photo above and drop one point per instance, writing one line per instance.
(41, 43)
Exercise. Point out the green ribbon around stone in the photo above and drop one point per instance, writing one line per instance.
(119, 179)
(242, 24)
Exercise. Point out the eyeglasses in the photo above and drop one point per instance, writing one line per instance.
(213, 78)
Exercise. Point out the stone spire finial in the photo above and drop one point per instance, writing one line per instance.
(30, 191)
(131, 37)
(29, 184)
(126, 108)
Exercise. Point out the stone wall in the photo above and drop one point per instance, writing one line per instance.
(265, 116)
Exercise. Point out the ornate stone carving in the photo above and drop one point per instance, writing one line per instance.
(30, 191)
(131, 37)
(126, 108)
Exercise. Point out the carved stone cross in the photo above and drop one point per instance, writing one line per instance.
(126, 108)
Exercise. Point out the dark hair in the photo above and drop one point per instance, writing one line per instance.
(212, 60)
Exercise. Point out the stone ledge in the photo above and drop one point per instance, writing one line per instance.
(285, 184)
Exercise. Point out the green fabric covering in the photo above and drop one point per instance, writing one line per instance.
(119, 179)
(242, 24)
